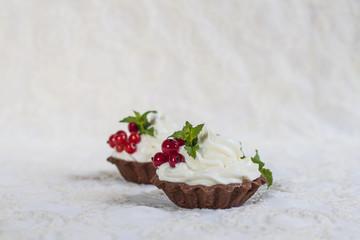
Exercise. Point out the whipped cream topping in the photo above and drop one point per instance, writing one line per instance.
(149, 145)
(218, 161)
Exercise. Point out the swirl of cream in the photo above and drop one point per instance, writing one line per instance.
(149, 145)
(218, 161)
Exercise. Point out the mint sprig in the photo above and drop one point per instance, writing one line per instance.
(190, 135)
(264, 171)
(141, 122)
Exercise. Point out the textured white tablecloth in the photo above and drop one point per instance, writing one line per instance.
(282, 77)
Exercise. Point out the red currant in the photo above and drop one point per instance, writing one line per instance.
(130, 147)
(176, 158)
(159, 159)
(120, 139)
(170, 146)
(120, 132)
(180, 141)
(120, 148)
(111, 141)
(132, 127)
(134, 137)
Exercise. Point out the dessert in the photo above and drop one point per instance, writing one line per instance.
(199, 169)
(134, 148)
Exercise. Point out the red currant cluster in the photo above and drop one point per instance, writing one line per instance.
(121, 142)
(170, 153)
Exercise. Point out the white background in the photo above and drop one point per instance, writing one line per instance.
(282, 76)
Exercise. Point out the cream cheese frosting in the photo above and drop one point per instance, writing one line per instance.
(149, 145)
(218, 161)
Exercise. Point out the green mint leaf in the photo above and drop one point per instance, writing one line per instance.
(137, 115)
(187, 125)
(178, 134)
(268, 175)
(194, 141)
(150, 131)
(191, 150)
(187, 129)
(194, 132)
(264, 171)
(257, 160)
(128, 119)
(143, 117)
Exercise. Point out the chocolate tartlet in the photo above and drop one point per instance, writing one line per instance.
(213, 197)
(138, 172)
(134, 148)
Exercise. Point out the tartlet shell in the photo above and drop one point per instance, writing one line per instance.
(137, 172)
(214, 197)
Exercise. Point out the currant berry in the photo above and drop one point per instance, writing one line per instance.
(120, 139)
(134, 137)
(176, 158)
(120, 132)
(180, 141)
(111, 141)
(130, 147)
(132, 127)
(159, 159)
(170, 146)
(120, 148)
